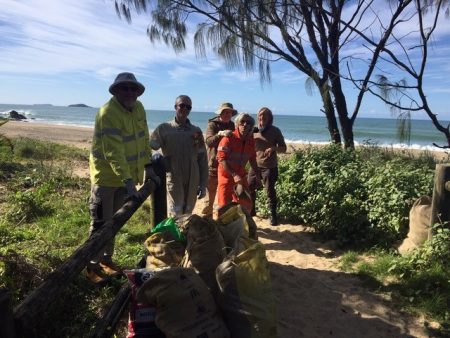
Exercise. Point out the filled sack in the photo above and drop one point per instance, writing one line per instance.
(419, 225)
(184, 306)
(205, 249)
(164, 250)
(245, 292)
(232, 224)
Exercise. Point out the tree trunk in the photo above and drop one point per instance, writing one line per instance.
(341, 108)
(328, 109)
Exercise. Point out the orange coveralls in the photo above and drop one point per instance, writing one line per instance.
(237, 152)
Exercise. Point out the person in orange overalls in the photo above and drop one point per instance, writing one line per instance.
(233, 153)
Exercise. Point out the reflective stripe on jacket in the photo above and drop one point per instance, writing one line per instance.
(120, 146)
(237, 152)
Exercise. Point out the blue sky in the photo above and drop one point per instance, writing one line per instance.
(65, 52)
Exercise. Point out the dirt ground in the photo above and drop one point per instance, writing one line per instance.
(314, 298)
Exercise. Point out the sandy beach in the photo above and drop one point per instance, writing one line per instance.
(315, 299)
(77, 136)
(81, 137)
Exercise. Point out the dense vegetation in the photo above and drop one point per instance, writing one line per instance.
(359, 198)
(362, 200)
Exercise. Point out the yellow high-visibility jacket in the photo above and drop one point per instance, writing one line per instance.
(120, 146)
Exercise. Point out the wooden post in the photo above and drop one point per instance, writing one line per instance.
(106, 326)
(160, 193)
(7, 329)
(440, 205)
(27, 312)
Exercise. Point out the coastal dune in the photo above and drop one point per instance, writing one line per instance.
(315, 299)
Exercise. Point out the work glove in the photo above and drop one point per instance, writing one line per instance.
(131, 189)
(226, 133)
(201, 192)
(237, 179)
(156, 157)
(150, 174)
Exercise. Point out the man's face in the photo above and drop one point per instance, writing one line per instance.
(245, 126)
(263, 118)
(183, 107)
(225, 115)
(127, 95)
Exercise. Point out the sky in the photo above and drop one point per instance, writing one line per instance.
(67, 52)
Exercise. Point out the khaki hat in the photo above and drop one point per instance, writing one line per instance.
(225, 106)
(126, 78)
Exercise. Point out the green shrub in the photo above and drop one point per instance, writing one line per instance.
(392, 188)
(357, 197)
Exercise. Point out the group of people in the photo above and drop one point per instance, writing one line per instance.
(121, 157)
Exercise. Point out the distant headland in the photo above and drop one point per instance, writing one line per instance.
(79, 105)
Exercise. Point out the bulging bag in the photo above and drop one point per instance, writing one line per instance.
(184, 305)
(245, 292)
(419, 224)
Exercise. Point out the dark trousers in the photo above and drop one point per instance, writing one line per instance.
(269, 178)
(103, 204)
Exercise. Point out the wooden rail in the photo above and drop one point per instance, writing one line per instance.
(21, 321)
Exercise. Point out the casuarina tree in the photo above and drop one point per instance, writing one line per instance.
(320, 38)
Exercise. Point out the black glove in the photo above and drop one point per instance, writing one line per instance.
(156, 157)
(131, 189)
(150, 174)
(201, 192)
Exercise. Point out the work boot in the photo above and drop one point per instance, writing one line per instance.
(273, 218)
(94, 273)
(110, 268)
(207, 210)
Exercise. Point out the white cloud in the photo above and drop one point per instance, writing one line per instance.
(51, 37)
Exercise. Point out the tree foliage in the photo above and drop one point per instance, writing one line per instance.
(318, 38)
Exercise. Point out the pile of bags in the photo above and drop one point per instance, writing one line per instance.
(203, 278)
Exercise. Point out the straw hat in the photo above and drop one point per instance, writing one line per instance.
(129, 78)
(225, 106)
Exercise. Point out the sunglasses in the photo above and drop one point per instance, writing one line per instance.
(184, 106)
(243, 122)
(130, 89)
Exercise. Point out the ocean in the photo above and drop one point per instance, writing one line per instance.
(295, 128)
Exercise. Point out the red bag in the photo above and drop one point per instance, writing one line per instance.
(141, 319)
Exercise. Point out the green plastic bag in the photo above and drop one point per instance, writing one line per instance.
(169, 225)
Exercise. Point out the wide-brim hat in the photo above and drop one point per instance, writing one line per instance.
(226, 106)
(129, 78)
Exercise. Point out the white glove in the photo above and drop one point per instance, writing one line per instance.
(226, 133)
(131, 189)
(201, 192)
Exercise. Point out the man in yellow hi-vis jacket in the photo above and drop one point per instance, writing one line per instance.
(120, 158)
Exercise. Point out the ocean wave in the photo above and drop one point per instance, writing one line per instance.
(395, 146)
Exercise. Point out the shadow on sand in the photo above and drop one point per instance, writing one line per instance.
(324, 303)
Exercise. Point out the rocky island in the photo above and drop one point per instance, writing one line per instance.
(79, 105)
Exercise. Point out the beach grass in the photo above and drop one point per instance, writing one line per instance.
(44, 219)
